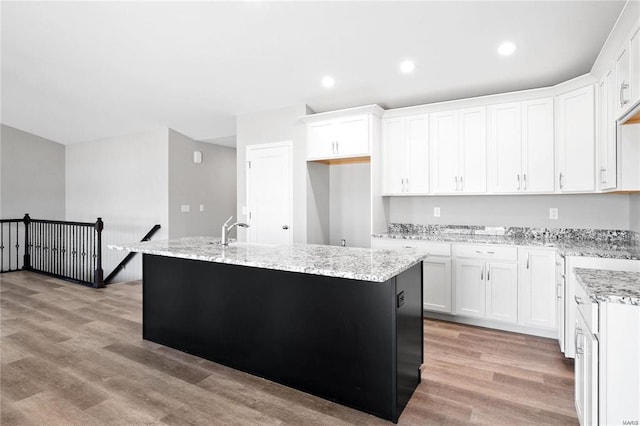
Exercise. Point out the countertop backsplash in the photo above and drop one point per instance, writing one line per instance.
(549, 234)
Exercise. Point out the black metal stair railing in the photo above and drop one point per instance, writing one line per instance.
(67, 250)
(130, 256)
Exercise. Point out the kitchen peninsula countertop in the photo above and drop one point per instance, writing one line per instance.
(566, 247)
(332, 261)
(610, 286)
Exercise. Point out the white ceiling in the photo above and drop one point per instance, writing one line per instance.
(76, 71)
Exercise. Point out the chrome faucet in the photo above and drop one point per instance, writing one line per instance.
(226, 228)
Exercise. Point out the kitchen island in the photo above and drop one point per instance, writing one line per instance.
(341, 323)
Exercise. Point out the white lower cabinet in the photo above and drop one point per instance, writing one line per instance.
(607, 371)
(537, 292)
(436, 293)
(486, 282)
(470, 287)
(502, 292)
(436, 271)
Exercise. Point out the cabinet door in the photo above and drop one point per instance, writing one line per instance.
(505, 148)
(473, 150)
(470, 287)
(417, 143)
(591, 379)
(443, 130)
(537, 288)
(393, 156)
(622, 82)
(320, 140)
(352, 136)
(502, 292)
(575, 140)
(606, 133)
(537, 146)
(634, 67)
(579, 370)
(436, 292)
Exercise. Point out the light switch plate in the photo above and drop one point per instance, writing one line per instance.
(201, 207)
(185, 208)
(553, 213)
(436, 211)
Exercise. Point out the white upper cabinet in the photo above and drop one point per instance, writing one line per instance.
(606, 171)
(575, 140)
(458, 151)
(472, 167)
(521, 147)
(623, 85)
(339, 138)
(634, 66)
(444, 152)
(505, 148)
(537, 146)
(405, 152)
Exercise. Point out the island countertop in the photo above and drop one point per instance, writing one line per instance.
(332, 261)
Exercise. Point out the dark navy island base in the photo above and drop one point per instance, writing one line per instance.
(357, 343)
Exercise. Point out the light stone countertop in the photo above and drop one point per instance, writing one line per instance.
(332, 261)
(610, 286)
(590, 248)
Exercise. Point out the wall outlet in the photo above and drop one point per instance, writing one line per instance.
(185, 208)
(201, 207)
(553, 213)
(436, 211)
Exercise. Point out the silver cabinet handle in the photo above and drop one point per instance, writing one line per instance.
(456, 178)
(624, 86)
(603, 173)
(407, 185)
(333, 146)
(488, 273)
(560, 181)
(337, 147)
(461, 184)
(482, 272)
(559, 291)
(577, 299)
(579, 350)
(527, 260)
(524, 177)
(518, 177)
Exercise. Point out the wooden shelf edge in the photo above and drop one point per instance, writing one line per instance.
(340, 161)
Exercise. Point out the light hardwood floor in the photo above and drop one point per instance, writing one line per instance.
(74, 355)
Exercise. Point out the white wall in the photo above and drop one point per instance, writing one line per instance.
(594, 211)
(211, 183)
(634, 212)
(350, 204)
(32, 178)
(318, 203)
(268, 127)
(124, 180)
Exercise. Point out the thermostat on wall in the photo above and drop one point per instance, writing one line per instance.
(197, 157)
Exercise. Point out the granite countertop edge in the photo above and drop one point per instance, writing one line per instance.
(347, 270)
(604, 286)
(588, 248)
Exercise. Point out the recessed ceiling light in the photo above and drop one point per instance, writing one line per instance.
(407, 67)
(328, 81)
(506, 48)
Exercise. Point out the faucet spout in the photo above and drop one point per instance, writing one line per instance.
(226, 228)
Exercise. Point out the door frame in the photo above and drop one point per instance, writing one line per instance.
(251, 148)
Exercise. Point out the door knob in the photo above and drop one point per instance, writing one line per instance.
(285, 226)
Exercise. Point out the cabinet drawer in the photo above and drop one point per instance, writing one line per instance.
(487, 252)
(432, 248)
(587, 307)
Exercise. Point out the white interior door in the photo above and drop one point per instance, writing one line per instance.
(270, 193)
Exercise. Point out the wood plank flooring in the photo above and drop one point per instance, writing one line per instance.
(72, 355)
